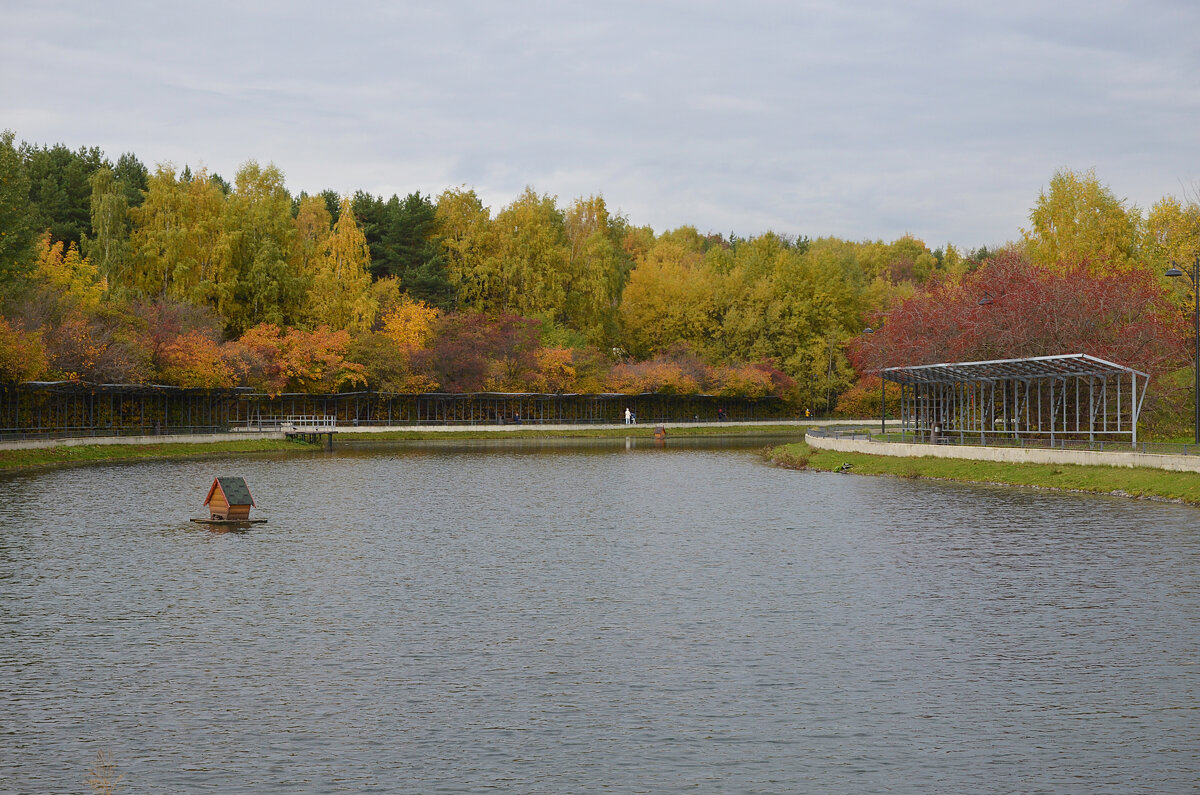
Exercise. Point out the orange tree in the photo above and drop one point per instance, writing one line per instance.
(276, 360)
(22, 356)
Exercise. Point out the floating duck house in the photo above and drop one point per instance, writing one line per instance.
(229, 499)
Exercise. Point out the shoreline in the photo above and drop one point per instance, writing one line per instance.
(1146, 483)
(640, 430)
(27, 459)
(78, 452)
(1128, 482)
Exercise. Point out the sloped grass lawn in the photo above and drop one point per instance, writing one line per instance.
(87, 453)
(82, 454)
(1125, 481)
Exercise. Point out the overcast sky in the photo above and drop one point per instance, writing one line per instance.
(863, 120)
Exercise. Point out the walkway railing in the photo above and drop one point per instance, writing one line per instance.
(297, 423)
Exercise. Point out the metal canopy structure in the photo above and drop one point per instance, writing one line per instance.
(1072, 396)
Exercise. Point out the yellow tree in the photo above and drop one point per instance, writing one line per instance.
(670, 297)
(204, 275)
(794, 305)
(340, 295)
(595, 271)
(258, 247)
(556, 371)
(468, 242)
(179, 245)
(409, 324)
(906, 259)
(1079, 220)
(109, 245)
(953, 262)
(388, 355)
(817, 301)
(1173, 232)
(159, 229)
(71, 275)
(748, 295)
(1173, 236)
(533, 257)
(312, 228)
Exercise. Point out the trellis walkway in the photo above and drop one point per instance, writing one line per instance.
(76, 409)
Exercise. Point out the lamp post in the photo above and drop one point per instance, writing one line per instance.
(1193, 275)
(882, 394)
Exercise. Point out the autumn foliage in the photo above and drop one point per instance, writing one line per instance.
(1029, 310)
(194, 359)
(279, 360)
(862, 399)
(22, 355)
(680, 371)
(474, 352)
(119, 273)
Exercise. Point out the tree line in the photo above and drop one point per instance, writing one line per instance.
(113, 272)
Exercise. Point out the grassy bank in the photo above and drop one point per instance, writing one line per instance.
(1123, 481)
(88, 453)
(82, 454)
(582, 432)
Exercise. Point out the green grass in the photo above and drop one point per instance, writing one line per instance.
(89, 453)
(1126, 481)
(83, 454)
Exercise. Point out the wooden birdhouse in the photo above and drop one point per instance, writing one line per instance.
(229, 499)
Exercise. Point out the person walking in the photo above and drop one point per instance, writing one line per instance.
(628, 416)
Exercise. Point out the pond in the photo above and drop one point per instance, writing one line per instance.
(579, 616)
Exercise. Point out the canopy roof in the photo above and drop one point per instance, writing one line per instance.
(87, 387)
(1065, 365)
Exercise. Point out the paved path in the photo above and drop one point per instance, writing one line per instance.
(1011, 455)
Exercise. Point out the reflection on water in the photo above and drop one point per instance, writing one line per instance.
(518, 445)
(549, 616)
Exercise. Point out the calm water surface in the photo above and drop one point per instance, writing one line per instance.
(553, 618)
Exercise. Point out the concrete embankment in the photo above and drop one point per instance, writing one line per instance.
(1011, 455)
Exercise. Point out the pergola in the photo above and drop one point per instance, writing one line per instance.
(1073, 396)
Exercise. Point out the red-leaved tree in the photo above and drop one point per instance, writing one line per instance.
(472, 352)
(1029, 310)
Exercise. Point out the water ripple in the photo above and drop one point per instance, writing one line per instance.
(550, 618)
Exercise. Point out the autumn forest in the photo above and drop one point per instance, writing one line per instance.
(113, 272)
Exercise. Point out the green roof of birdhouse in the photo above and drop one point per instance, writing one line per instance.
(235, 489)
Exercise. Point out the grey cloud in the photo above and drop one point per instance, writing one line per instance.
(858, 119)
